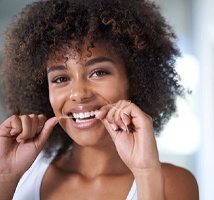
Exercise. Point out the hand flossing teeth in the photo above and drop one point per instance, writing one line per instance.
(83, 115)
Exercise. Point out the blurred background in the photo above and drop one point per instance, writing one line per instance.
(188, 140)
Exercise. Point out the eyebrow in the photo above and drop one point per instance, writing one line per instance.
(98, 60)
(88, 63)
(56, 68)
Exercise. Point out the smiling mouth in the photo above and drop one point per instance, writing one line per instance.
(82, 117)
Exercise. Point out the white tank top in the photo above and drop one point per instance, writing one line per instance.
(29, 185)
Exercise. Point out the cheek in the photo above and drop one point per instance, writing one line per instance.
(123, 86)
(51, 99)
(122, 91)
(57, 100)
(117, 90)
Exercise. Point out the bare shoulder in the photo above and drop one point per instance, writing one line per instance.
(179, 183)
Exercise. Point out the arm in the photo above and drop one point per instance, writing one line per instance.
(21, 140)
(166, 182)
(8, 185)
(132, 132)
(150, 184)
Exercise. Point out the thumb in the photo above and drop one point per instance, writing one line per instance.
(46, 131)
(112, 130)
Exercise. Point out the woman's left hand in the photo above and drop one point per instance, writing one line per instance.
(132, 132)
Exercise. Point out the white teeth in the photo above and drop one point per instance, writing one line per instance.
(83, 115)
(87, 114)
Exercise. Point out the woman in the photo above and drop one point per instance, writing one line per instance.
(104, 71)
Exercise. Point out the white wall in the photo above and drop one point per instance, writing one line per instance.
(203, 20)
(200, 39)
(180, 140)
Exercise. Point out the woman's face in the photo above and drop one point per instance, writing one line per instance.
(80, 85)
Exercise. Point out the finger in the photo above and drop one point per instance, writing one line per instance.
(37, 123)
(125, 118)
(41, 122)
(125, 112)
(110, 117)
(118, 118)
(102, 112)
(113, 113)
(45, 133)
(26, 128)
(111, 130)
(34, 124)
(11, 126)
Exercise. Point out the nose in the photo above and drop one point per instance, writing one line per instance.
(80, 91)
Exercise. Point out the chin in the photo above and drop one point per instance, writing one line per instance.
(91, 139)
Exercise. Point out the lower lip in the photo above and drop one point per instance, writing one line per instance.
(85, 124)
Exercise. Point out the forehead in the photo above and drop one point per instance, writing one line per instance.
(84, 53)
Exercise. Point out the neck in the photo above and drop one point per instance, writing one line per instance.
(93, 161)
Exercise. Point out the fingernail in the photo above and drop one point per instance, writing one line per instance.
(126, 114)
(19, 140)
(12, 133)
(113, 126)
(125, 120)
(123, 128)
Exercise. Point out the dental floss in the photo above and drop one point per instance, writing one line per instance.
(108, 103)
(68, 117)
(61, 117)
(115, 107)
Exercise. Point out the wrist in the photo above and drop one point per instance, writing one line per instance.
(8, 185)
(150, 183)
(147, 171)
(8, 178)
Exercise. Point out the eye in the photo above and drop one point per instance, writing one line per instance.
(60, 79)
(99, 73)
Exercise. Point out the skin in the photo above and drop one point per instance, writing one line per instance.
(109, 151)
(80, 85)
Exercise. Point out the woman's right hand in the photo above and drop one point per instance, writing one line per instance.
(21, 140)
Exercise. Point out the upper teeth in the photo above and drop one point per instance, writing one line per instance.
(83, 115)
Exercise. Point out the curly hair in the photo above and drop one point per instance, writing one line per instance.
(134, 29)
